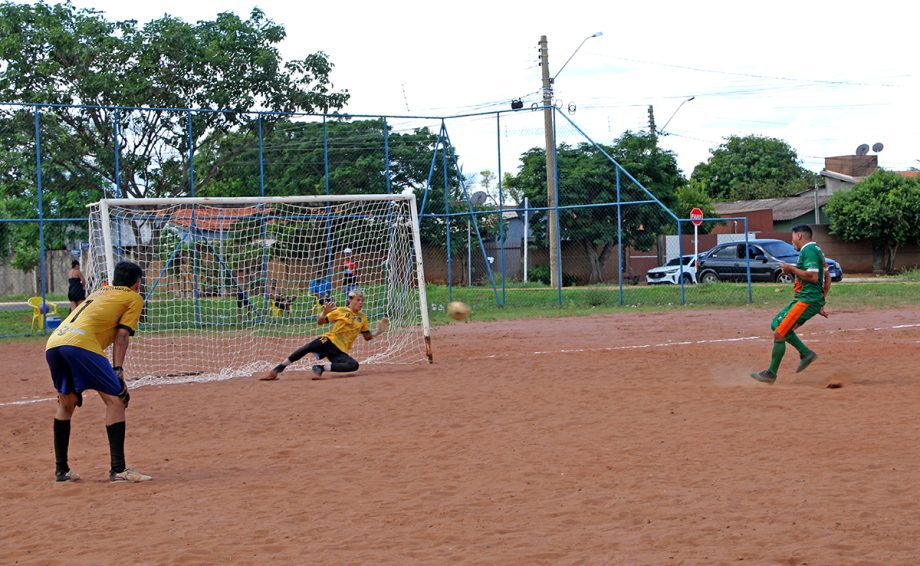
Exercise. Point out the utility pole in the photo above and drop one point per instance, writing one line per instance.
(550, 164)
(651, 120)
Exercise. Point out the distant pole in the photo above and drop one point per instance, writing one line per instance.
(817, 215)
(526, 229)
(550, 163)
(651, 120)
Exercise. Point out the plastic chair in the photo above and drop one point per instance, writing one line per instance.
(37, 314)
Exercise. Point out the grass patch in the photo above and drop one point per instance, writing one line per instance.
(21, 298)
(532, 301)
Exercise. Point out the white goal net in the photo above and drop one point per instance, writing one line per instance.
(233, 285)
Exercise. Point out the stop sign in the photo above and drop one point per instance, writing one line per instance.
(696, 216)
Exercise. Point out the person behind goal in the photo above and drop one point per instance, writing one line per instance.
(812, 284)
(347, 323)
(75, 356)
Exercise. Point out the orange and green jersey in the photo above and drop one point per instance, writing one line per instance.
(346, 326)
(811, 258)
(93, 324)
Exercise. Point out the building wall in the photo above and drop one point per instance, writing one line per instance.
(758, 220)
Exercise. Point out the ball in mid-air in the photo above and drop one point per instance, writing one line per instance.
(458, 311)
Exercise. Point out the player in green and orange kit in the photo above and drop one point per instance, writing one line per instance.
(811, 286)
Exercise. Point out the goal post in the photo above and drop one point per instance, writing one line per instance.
(232, 285)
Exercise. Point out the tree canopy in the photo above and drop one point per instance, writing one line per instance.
(587, 176)
(59, 54)
(883, 208)
(753, 167)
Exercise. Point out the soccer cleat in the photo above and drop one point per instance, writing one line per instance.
(806, 361)
(128, 476)
(318, 370)
(69, 475)
(765, 376)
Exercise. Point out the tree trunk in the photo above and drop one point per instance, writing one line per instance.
(597, 260)
(889, 266)
(596, 271)
(878, 259)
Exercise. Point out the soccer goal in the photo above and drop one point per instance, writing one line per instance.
(232, 285)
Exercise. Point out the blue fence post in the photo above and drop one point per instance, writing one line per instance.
(41, 212)
(117, 141)
(501, 204)
(386, 152)
(264, 212)
(619, 236)
(747, 253)
(450, 277)
(117, 161)
(329, 255)
(261, 157)
(558, 242)
(192, 238)
(680, 260)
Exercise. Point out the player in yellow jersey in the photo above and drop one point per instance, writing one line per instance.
(76, 356)
(334, 345)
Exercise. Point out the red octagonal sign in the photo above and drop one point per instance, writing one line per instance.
(696, 216)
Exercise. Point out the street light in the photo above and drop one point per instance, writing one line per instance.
(598, 34)
(661, 131)
(551, 155)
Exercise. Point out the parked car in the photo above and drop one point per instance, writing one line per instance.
(728, 262)
(669, 273)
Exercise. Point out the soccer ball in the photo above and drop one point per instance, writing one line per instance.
(458, 311)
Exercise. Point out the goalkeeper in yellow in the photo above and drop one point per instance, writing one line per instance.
(811, 287)
(347, 323)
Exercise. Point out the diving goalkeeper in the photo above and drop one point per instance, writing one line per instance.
(347, 323)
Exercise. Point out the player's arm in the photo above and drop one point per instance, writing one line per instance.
(382, 327)
(804, 275)
(328, 307)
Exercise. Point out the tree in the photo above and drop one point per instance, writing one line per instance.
(884, 208)
(63, 55)
(690, 196)
(753, 167)
(587, 176)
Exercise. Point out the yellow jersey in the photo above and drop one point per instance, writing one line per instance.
(92, 325)
(347, 324)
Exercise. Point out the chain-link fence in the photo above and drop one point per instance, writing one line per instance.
(597, 231)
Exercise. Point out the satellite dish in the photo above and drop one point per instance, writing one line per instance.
(862, 149)
(478, 198)
(877, 147)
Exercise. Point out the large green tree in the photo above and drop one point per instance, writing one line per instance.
(884, 208)
(58, 54)
(587, 176)
(753, 167)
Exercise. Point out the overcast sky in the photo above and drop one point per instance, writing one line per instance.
(824, 76)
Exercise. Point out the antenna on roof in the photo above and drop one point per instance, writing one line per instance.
(862, 149)
(877, 147)
(478, 198)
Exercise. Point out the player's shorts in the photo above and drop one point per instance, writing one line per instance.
(75, 370)
(793, 316)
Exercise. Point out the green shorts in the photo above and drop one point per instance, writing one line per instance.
(793, 316)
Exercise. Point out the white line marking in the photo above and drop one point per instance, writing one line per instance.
(571, 351)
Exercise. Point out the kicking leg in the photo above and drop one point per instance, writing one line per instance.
(272, 374)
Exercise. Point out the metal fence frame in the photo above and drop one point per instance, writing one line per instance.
(443, 142)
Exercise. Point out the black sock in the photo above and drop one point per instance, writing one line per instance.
(61, 442)
(116, 434)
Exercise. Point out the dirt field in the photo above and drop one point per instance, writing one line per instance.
(626, 439)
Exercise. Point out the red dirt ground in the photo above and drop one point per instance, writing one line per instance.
(610, 445)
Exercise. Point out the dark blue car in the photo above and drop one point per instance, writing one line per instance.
(728, 262)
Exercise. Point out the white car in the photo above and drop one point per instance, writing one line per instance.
(670, 272)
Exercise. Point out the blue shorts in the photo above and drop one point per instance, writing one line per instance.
(75, 370)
